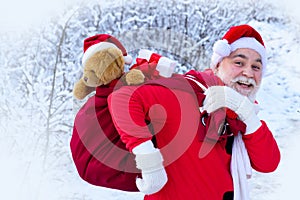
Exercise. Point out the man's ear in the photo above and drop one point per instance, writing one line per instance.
(215, 70)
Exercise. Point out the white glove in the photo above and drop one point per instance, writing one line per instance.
(150, 161)
(223, 96)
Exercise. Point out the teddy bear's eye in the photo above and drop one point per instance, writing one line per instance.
(85, 79)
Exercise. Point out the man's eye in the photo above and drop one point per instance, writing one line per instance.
(238, 63)
(256, 68)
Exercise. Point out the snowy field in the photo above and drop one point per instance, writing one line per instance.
(23, 177)
(279, 99)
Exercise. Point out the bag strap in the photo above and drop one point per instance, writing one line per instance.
(192, 78)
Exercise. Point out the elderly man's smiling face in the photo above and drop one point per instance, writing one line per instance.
(242, 71)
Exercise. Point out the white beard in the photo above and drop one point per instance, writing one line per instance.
(232, 83)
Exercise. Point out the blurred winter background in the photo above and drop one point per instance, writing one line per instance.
(40, 55)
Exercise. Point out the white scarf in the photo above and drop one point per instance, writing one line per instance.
(240, 169)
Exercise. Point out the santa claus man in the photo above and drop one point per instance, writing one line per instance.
(192, 158)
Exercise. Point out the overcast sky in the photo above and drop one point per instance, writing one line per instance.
(15, 15)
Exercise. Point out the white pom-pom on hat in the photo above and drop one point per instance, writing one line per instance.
(221, 49)
(128, 59)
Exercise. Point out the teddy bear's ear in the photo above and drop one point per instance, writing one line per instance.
(134, 77)
(80, 90)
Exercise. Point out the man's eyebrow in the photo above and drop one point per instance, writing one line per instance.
(240, 55)
(245, 57)
(258, 60)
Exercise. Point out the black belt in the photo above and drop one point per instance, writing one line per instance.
(228, 195)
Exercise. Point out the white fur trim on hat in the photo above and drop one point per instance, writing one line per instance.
(94, 49)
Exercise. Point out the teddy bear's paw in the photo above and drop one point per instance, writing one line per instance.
(134, 77)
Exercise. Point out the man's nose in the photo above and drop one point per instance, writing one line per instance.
(248, 71)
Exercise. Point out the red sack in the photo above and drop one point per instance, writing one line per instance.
(100, 156)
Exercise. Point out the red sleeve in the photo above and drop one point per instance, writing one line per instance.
(262, 149)
(128, 114)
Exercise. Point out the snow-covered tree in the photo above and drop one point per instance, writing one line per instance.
(40, 68)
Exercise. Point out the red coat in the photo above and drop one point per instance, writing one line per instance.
(174, 118)
(100, 156)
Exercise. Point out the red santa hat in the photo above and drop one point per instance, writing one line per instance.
(242, 36)
(165, 66)
(99, 42)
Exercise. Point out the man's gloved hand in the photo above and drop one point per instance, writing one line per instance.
(223, 96)
(150, 161)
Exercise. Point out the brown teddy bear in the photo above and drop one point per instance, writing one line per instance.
(103, 61)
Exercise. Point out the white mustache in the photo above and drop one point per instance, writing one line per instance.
(245, 80)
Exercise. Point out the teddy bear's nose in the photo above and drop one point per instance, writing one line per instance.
(85, 79)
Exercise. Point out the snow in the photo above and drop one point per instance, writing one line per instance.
(279, 99)
(25, 175)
